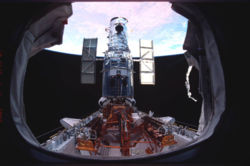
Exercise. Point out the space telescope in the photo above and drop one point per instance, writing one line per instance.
(118, 128)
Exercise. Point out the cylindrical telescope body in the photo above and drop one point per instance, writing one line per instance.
(118, 63)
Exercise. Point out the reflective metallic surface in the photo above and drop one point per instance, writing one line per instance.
(118, 63)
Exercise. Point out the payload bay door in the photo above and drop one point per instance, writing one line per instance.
(88, 65)
(147, 64)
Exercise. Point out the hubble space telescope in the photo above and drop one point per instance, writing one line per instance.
(118, 128)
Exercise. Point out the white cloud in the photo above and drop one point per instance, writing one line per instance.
(171, 44)
(90, 19)
(184, 24)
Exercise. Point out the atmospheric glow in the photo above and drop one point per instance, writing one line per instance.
(146, 20)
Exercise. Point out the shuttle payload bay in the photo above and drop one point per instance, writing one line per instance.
(118, 128)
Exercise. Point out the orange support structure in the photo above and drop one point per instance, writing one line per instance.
(85, 145)
(168, 140)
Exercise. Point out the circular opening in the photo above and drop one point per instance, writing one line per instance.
(158, 128)
(119, 28)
